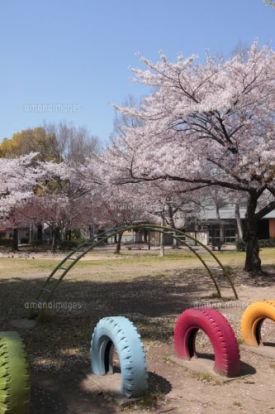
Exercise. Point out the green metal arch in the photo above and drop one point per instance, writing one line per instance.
(69, 261)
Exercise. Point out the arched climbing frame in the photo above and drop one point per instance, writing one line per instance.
(61, 270)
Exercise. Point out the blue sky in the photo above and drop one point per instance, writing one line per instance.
(68, 60)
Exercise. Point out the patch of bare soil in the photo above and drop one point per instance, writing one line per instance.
(59, 346)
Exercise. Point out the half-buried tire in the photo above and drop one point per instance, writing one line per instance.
(220, 333)
(14, 375)
(252, 320)
(120, 333)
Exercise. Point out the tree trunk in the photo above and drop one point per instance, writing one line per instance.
(30, 234)
(221, 228)
(171, 217)
(55, 238)
(161, 235)
(15, 240)
(175, 242)
(92, 231)
(39, 232)
(221, 235)
(252, 261)
(69, 235)
(118, 245)
(149, 240)
(239, 222)
(145, 236)
(53, 241)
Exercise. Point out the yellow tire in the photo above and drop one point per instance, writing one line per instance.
(252, 320)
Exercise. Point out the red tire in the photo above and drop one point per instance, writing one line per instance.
(220, 333)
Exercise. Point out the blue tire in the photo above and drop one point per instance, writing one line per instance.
(119, 332)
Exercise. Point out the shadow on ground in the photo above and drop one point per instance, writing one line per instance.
(58, 347)
(245, 369)
(56, 393)
(265, 279)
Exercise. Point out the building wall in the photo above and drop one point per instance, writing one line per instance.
(23, 236)
(272, 228)
(202, 236)
(155, 239)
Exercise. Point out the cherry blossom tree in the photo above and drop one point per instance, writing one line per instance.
(22, 180)
(59, 213)
(157, 202)
(61, 202)
(207, 125)
(18, 178)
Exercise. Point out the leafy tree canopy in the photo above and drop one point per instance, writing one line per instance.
(31, 140)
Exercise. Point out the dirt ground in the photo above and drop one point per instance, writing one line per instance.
(58, 347)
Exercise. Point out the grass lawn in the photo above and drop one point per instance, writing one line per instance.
(107, 266)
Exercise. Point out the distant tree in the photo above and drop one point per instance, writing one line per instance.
(74, 144)
(19, 180)
(52, 142)
(31, 140)
(61, 213)
(60, 202)
(270, 3)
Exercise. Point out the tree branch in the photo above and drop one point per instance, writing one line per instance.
(264, 211)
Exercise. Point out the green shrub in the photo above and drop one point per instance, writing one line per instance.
(267, 243)
(240, 245)
(69, 244)
(5, 242)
